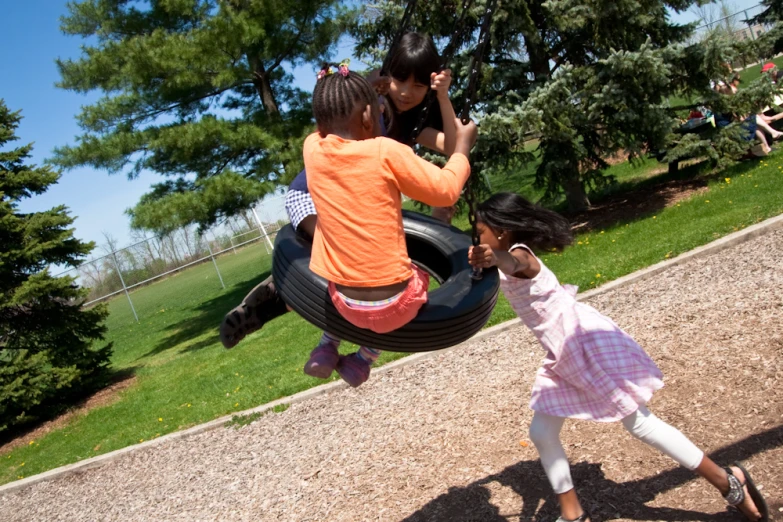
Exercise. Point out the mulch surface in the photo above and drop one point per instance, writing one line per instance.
(446, 439)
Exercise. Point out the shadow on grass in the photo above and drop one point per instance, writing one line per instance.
(630, 201)
(58, 412)
(206, 317)
(603, 498)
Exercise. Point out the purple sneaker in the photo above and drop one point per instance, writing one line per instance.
(353, 369)
(323, 361)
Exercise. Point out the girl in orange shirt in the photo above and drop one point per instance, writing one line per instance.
(356, 180)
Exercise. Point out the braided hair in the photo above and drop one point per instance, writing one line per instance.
(527, 223)
(335, 97)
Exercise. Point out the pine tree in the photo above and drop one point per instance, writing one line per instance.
(45, 333)
(198, 91)
(589, 78)
(771, 42)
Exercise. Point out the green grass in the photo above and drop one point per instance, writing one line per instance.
(749, 74)
(184, 376)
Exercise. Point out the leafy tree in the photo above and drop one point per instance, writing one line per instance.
(45, 333)
(588, 77)
(198, 91)
(771, 42)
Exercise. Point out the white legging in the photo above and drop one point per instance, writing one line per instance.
(545, 434)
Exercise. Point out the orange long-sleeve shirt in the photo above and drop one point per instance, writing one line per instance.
(356, 186)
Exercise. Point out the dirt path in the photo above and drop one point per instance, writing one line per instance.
(446, 439)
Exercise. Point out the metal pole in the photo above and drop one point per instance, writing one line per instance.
(261, 225)
(750, 27)
(119, 273)
(216, 267)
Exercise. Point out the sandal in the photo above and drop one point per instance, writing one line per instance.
(581, 518)
(260, 305)
(736, 494)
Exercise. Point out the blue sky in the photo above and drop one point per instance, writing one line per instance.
(29, 74)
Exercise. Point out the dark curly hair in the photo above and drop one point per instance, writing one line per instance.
(535, 226)
(335, 96)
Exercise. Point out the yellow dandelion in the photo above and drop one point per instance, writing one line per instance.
(598, 276)
(602, 231)
(32, 442)
(141, 440)
(21, 465)
(729, 202)
(612, 240)
(706, 200)
(20, 477)
(578, 242)
(655, 217)
(728, 180)
(160, 419)
(188, 405)
(235, 405)
(755, 185)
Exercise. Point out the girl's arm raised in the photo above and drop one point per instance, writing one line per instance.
(446, 140)
(419, 179)
(517, 263)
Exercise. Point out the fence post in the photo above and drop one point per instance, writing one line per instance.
(261, 225)
(216, 267)
(231, 240)
(119, 273)
(750, 27)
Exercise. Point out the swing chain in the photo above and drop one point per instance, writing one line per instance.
(478, 58)
(404, 23)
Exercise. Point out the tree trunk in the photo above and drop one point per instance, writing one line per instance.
(536, 47)
(264, 88)
(575, 194)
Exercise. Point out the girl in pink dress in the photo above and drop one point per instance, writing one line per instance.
(592, 370)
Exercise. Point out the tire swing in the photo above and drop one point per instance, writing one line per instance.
(454, 312)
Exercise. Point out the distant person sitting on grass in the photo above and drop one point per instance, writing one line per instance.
(775, 75)
(751, 123)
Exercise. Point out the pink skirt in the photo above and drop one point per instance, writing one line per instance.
(386, 318)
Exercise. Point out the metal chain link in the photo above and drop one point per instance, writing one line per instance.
(404, 23)
(478, 58)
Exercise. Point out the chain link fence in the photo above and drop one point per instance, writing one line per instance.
(121, 270)
(718, 18)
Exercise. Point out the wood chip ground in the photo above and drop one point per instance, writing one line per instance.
(446, 439)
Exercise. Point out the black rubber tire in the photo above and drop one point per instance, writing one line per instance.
(455, 311)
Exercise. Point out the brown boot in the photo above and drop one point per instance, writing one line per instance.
(262, 304)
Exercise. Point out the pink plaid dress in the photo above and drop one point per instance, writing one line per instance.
(592, 370)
